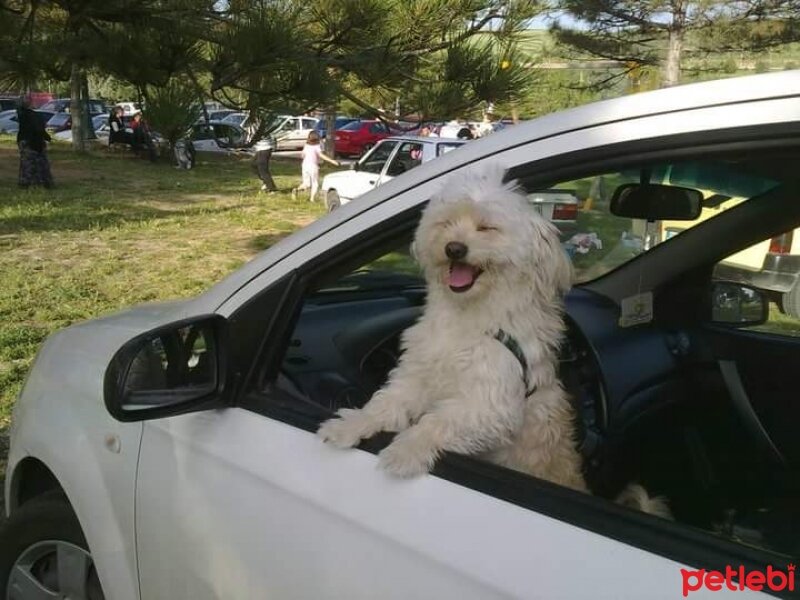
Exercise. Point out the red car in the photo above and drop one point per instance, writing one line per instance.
(359, 136)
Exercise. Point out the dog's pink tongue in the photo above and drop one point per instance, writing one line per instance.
(460, 275)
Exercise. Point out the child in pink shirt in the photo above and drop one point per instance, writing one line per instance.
(312, 153)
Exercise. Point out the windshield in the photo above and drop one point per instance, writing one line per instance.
(599, 241)
(352, 126)
(59, 119)
(54, 105)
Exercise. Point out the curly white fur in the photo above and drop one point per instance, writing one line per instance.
(457, 388)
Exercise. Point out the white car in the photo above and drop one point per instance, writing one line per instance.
(128, 108)
(290, 132)
(168, 451)
(387, 159)
(206, 137)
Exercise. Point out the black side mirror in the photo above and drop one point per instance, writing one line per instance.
(655, 202)
(738, 305)
(171, 370)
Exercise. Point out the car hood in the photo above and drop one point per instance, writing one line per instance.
(337, 177)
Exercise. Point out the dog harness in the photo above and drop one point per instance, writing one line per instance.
(511, 343)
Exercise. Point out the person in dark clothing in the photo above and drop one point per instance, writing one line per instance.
(117, 133)
(264, 149)
(142, 141)
(263, 143)
(34, 168)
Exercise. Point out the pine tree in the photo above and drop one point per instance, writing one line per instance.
(655, 33)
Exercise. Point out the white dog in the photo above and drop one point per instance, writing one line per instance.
(478, 372)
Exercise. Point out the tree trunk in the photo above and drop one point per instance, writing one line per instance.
(86, 116)
(672, 64)
(677, 29)
(330, 131)
(76, 110)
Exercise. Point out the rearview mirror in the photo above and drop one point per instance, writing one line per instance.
(168, 371)
(738, 305)
(655, 202)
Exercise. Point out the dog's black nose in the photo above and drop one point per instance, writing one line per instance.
(455, 250)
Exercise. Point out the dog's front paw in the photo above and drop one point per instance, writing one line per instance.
(347, 430)
(406, 459)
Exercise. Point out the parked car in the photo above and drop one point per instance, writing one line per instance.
(96, 106)
(771, 265)
(355, 138)
(8, 121)
(456, 129)
(557, 206)
(290, 132)
(60, 121)
(206, 137)
(339, 122)
(168, 451)
(128, 108)
(44, 115)
(237, 118)
(9, 124)
(99, 125)
(216, 115)
(388, 159)
(8, 103)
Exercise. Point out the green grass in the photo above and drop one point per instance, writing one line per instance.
(118, 231)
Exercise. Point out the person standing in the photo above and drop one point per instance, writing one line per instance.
(312, 153)
(34, 167)
(264, 144)
(264, 149)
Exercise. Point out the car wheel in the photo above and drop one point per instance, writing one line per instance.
(790, 303)
(43, 554)
(332, 200)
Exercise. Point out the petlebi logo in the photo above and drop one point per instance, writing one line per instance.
(738, 580)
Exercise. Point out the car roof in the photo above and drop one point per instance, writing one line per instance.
(678, 99)
(422, 139)
(216, 122)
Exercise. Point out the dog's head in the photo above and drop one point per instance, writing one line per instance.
(480, 236)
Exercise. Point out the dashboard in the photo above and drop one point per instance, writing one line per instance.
(345, 345)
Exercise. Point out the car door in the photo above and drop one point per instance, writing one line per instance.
(285, 134)
(307, 125)
(297, 132)
(203, 138)
(758, 363)
(368, 171)
(407, 156)
(244, 503)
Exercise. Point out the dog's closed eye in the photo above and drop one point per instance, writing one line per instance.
(485, 227)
